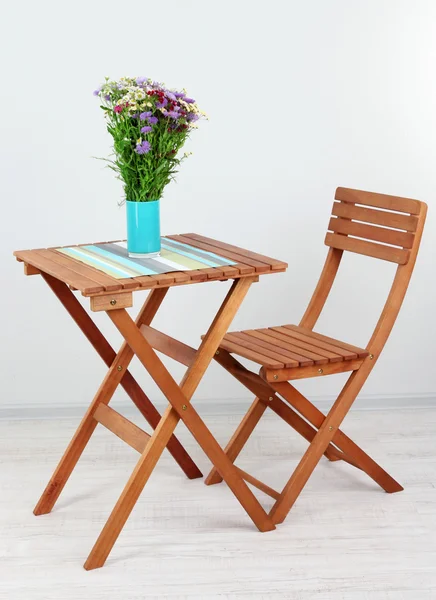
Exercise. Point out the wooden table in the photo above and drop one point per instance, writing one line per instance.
(64, 275)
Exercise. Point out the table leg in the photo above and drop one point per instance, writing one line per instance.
(88, 423)
(180, 407)
(130, 385)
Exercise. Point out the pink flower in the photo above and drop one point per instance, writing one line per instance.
(118, 108)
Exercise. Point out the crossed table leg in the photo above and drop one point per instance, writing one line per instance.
(179, 397)
(118, 374)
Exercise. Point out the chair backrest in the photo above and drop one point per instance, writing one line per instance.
(376, 225)
(390, 223)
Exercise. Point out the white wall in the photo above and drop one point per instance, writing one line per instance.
(302, 97)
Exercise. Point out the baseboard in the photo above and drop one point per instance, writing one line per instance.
(227, 406)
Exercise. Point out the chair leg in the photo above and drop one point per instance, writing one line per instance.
(240, 437)
(349, 451)
(342, 441)
(325, 435)
(264, 393)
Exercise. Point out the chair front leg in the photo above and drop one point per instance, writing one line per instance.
(325, 435)
(265, 397)
(352, 451)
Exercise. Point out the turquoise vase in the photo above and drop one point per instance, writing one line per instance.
(143, 229)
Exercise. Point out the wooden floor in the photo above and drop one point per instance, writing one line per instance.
(345, 539)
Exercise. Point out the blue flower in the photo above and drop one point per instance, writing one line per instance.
(152, 120)
(145, 115)
(146, 129)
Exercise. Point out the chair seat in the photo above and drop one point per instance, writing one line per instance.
(289, 346)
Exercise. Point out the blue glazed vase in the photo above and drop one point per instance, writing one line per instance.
(143, 229)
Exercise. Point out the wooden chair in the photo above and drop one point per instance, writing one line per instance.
(376, 225)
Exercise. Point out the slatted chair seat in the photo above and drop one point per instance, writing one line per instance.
(289, 347)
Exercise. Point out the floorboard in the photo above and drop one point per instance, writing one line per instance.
(345, 539)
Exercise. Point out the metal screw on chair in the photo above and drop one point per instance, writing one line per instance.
(275, 377)
(113, 302)
(270, 398)
(119, 368)
(320, 371)
(184, 407)
(330, 428)
(371, 356)
(217, 352)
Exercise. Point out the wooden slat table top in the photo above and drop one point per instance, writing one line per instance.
(92, 282)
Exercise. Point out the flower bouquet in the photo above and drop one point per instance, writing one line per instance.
(149, 125)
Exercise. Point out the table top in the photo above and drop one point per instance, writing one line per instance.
(92, 282)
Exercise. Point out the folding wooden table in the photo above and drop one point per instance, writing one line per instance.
(64, 275)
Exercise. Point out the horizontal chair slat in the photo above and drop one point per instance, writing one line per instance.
(251, 355)
(246, 344)
(395, 255)
(404, 205)
(370, 232)
(287, 342)
(377, 217)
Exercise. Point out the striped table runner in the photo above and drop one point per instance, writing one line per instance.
(114, 260)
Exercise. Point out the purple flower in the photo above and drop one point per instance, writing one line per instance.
(173, 114)
(192, 117)
(162, 104)
(143, 147)
(134, 116)
(145, 115)
(179, 94)
(107, 97)
(96, 92)
(171, 96)
(189, 100)
(140, 80)
(146, 129)
(152, 120)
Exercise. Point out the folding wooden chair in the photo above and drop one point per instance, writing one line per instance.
(394, 227)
